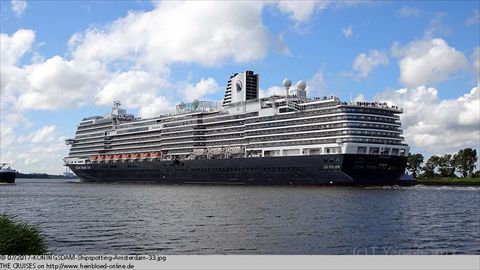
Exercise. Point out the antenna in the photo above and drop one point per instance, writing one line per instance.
(287, 83)
(116, 104)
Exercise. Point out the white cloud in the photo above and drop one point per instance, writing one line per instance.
(316, 84)
(437, 28)
(347, 31)
(363, 64)
(359, 97)
(58, 83)
(273, 90)
(41, 151)
(208, 33)
(18, 7)
(133, 88)
(46, 85)
(409, 12)
(159, 105)
(130, 58)
(280, 45)
(435, 125)
(7, 137)
(428, 61)
(13, 83)
(15, 46)
(302, 11)
(202, 88)
(44, 134)
(474, 18)
(476, 62)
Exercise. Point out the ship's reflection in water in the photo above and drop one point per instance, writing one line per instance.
(91, 218)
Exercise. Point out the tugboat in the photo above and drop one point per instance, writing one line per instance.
(7, 174)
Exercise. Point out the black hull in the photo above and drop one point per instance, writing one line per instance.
(7, 177)
(341, 169)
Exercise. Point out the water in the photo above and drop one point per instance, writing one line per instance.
(86, 218)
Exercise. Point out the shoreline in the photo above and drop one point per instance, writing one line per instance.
(448, 181)
(435, 181)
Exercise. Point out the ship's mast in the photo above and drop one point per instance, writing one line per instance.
(116, 105)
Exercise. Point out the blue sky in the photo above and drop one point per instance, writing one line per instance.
(65, 60)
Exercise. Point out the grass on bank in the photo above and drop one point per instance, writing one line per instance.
(448, 181)
(20, 238)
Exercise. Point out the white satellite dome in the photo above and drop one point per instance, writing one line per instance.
(301, 85)
(287, 83)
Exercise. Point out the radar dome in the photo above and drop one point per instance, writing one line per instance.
(287, 83)
(301, 85)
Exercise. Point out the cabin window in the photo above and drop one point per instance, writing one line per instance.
(384, 151)
(333, 150)
(361, 150)
(394, 151)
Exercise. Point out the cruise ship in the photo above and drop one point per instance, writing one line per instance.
(284, 139)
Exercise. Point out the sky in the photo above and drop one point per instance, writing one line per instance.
(62, 61)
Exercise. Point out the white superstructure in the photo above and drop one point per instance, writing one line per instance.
(243, 125)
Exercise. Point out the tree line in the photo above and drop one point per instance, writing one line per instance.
(463, 163)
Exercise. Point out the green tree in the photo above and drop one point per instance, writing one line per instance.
(414, 163)
(446, 166)
(430, 166)
(464, 161)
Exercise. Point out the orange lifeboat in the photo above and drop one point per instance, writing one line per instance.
(117, 157)
(135, 155)
(101, 157)
(144, 155)
(155, 155)
(93, 158)
(125, 156)
(109, 157)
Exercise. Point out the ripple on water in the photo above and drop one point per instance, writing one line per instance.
(133, 219)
